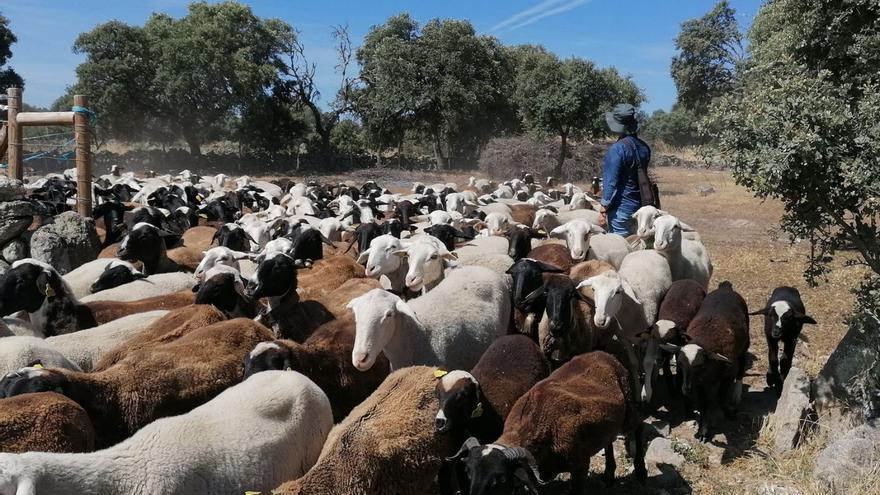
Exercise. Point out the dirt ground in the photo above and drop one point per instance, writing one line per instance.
(741, 233)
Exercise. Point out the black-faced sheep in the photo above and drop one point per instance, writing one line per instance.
(477, 403)
(557, 426)
(784, 318)
(714, 359)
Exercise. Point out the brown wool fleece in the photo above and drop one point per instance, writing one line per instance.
(386, 446)
(336, 300)
(170, 327)
(721, 326)
(107, 311)
(573, 414)
(326, 275)
(165, 379)
(44, 422)
(557, 255)
(325, 357)
(507, 370)
(681, 303)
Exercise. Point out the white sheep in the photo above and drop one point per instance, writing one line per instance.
(154, 285)
(645, 217)
(20, 351)
(547, 220)
(426, 257)
(380, 259)
(450, 326)
(649, 276)
(687, 258)
(586, 240)
(253, 436)
(497, 223)
(484, 245)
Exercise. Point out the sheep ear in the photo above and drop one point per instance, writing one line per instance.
(596, 229)
(685, 227)
(402, 307)
(238, 256)
(239, 287)
(759, 312)
(534, 294)
(585, 283)
(629, 291)
(670, 348)
(559, 231)
(718, 357)
(662, 212)
(362, 258)
(805, 319)
(403, 253)
(448, 256)
(138, 275)
(26, 486)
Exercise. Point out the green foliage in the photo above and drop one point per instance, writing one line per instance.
(677, 127)
(8, 77)
(709, 50)
(567, 98)
(864, 388)
(803, 125)
(192, 73)
(442, 80)
(347, 137)
(268, 125)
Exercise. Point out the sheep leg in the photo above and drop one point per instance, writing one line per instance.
(649, 363)
(773, 380)
(787, 357)
(703, 418)
(639, 458)
(610, 464)
(670, 379)
(725, 399)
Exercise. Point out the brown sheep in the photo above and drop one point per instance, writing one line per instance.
(327, 275)
(325, 357)
(336, 301)
(170, 327)
(147, 384)
(106, 311)
(386, 446)
(554, 254)
(680, 305)
(478, 402)
(44, 422)
(558, 425)
(715, 355)
(523, 213)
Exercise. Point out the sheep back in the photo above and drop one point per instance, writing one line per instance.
(336, 300)
(326, 275)
(154, 285)
(44, 422)
(571, 415)
(387, 444)
(465, 312)
(107, 311)
(722, 325)
(20, 351)
(649, 275)
(508, 369)
(682, 302)
(555, 254)
(168, 328)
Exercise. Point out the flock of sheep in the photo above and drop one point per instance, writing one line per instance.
(306, 338)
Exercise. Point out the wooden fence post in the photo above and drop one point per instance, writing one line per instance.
(15, 170)
(83, 158)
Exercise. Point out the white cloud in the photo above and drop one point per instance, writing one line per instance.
(531, 15)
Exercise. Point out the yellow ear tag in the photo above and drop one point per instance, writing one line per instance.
(253, 493)
(478, 411)
(49, 291)
(440, 373)
(37, 366)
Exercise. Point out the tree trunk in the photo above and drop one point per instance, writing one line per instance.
(442, 162)
(563, 145)
(194, 143)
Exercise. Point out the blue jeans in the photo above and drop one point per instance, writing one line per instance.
(620, 220)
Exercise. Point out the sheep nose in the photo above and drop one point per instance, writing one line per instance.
(440, 424)
(577, 254)
(359, 360)
(413, 281)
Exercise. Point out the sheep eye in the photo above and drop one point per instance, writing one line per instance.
(433, 256)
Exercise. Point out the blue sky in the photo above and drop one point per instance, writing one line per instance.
(637, 39)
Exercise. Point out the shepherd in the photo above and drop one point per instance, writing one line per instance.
(626, 186)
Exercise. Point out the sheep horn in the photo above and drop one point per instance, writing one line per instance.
(467, 446)
(522, 457)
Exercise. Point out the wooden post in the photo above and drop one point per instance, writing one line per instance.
(15, 170)
(83, 158)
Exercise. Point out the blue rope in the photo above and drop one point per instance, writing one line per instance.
(93, 117)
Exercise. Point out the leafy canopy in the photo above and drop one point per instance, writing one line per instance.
(8, 77)
(804, 125)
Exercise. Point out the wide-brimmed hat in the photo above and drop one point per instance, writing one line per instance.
(622, 119)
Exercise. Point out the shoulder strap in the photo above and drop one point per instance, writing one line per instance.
(635, 149)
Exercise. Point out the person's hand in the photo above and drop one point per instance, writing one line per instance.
(603, 218)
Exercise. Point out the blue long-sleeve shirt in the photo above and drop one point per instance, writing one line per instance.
(620, 180)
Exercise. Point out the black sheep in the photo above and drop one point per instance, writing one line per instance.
(784, 318)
